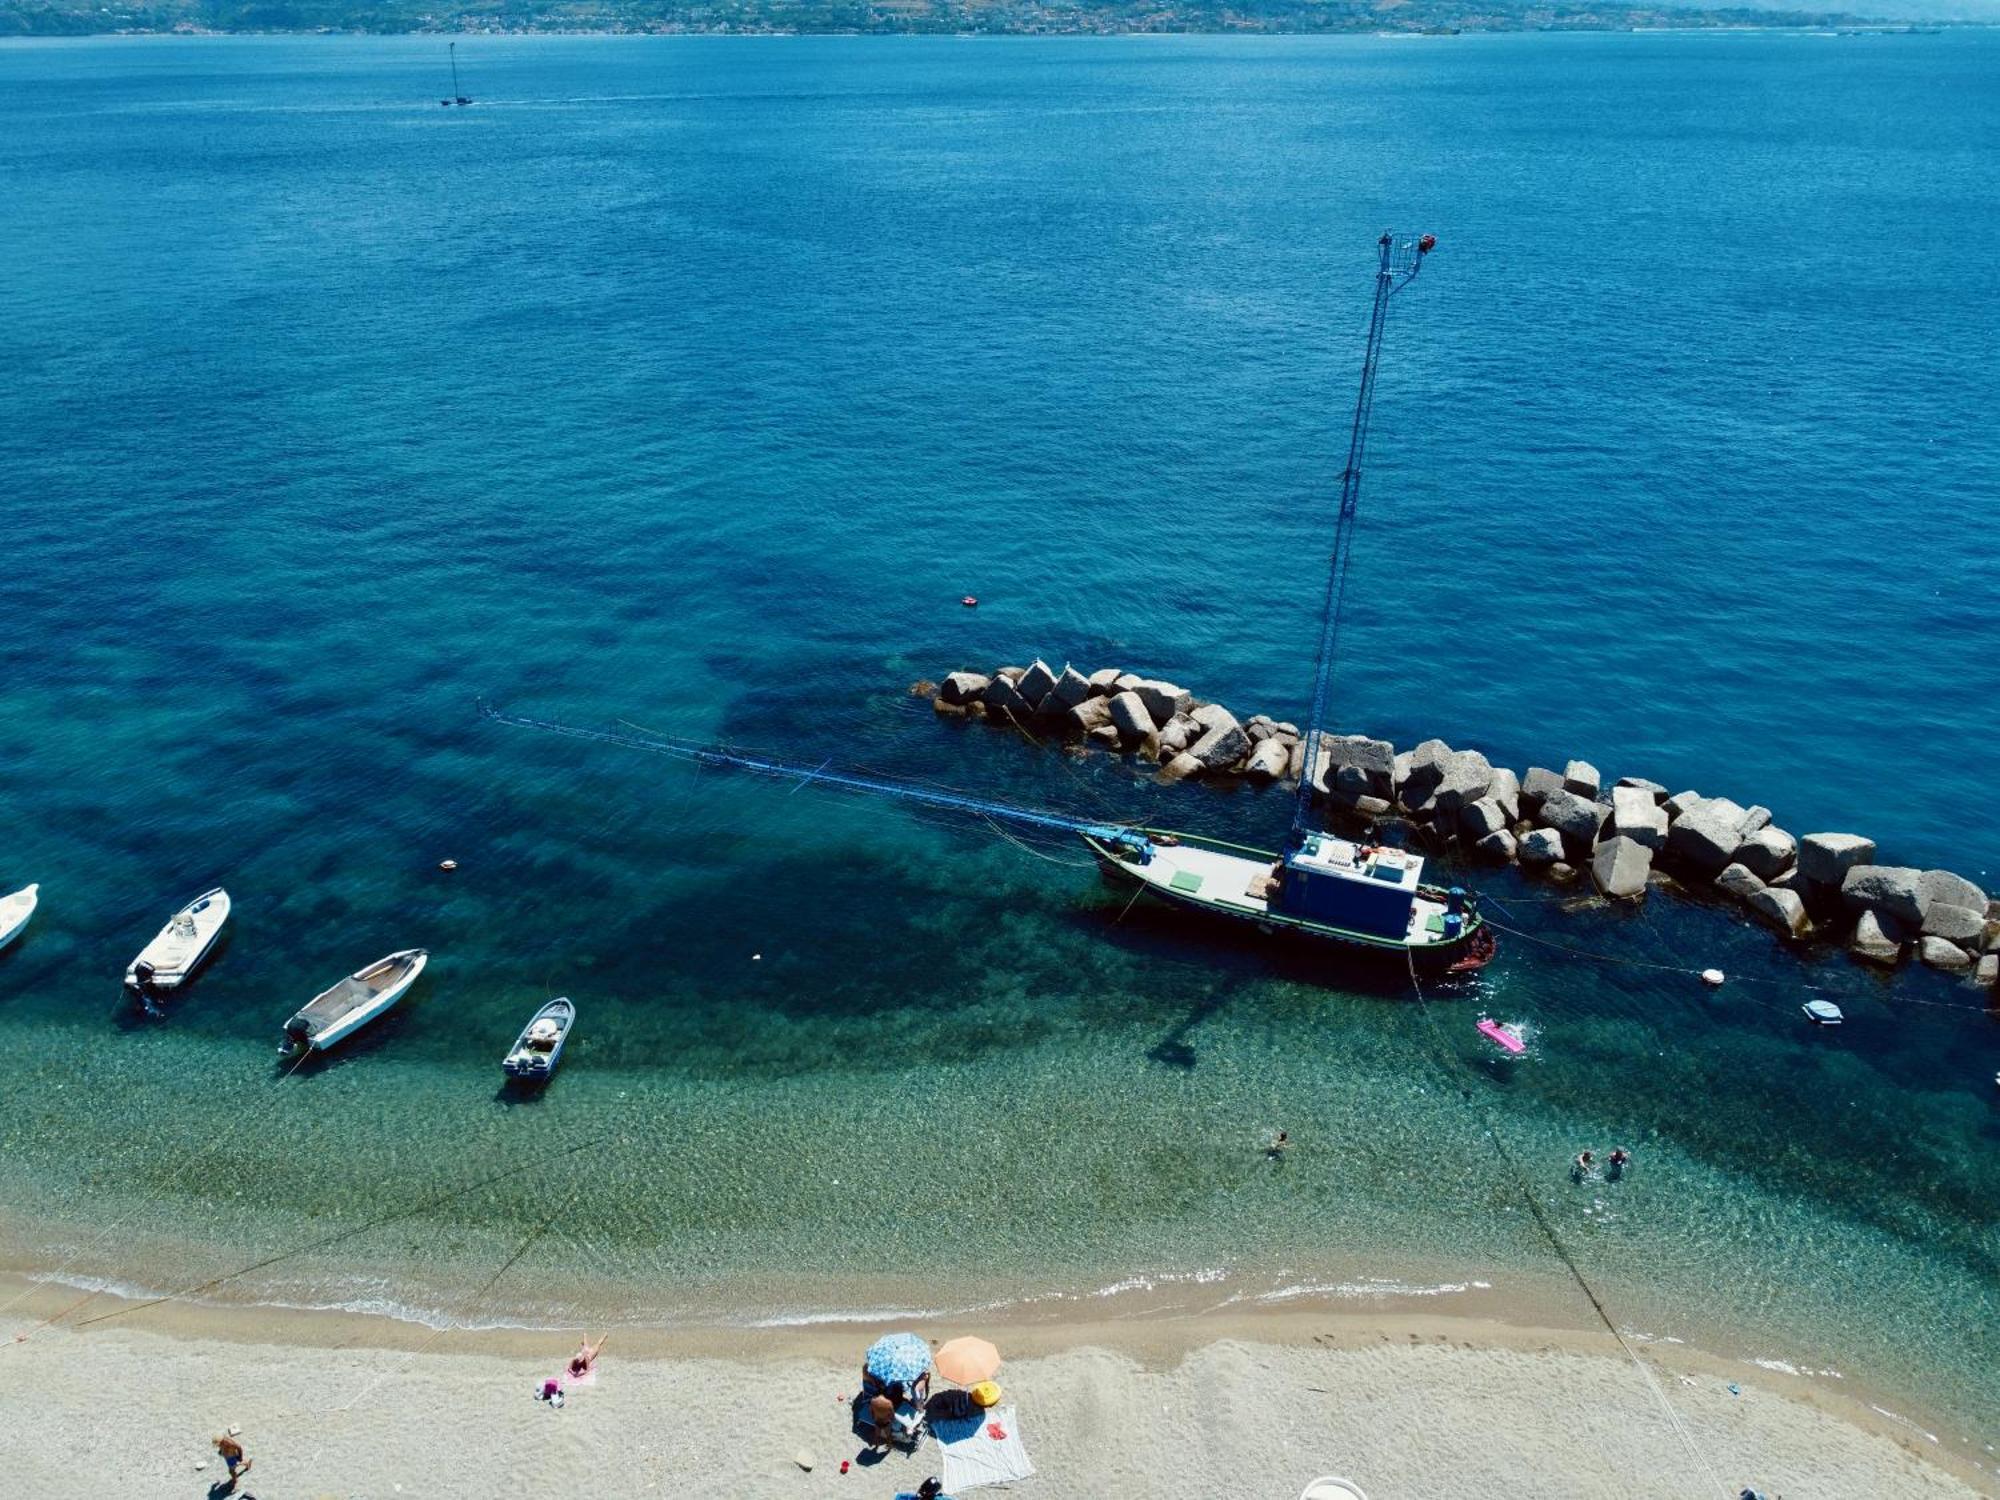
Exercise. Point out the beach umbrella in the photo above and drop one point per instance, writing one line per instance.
(967, 1361)
(898, 1357)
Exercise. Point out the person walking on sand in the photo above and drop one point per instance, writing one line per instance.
(232, 1457)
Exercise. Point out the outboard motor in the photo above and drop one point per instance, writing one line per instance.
(142, 976)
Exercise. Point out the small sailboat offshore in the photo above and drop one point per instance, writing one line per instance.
(165, 963)
(539, 1047)
(1360, 897)
(350, 1005)
(457, 94)
(15, 910)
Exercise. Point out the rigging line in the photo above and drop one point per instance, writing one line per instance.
(1091, 792)
(1555, 1240)
(104, 1235)
(437, 1201)
(1026, 848)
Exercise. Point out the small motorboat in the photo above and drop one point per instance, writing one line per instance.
(352, 1004)
(167, 961)
(1822, 1012)
(15, 911)
(539, 1047)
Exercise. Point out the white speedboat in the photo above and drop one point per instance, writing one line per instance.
(1822, 1012)
(15, 911)
(352, 1004)
(167, 961)
(539, 1047)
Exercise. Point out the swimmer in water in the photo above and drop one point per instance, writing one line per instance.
(1279, 1144)
(1619, 1157)
(1584, 1166)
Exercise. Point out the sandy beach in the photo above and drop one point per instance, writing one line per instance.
(1255, 1405)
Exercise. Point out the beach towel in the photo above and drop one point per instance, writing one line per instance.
(984, 1448)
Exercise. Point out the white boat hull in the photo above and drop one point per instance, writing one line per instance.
(336, 1029)
(182, 944)
(16, 911)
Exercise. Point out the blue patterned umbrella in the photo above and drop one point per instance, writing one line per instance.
(898, 1357)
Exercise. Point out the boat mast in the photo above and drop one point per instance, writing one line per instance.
(1397, 267)
(456, 91)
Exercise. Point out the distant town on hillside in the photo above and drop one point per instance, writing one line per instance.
(950, 17)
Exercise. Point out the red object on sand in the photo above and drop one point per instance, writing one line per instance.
(843, 1466)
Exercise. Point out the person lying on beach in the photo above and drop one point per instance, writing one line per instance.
(232, 1455)
(584, 1360)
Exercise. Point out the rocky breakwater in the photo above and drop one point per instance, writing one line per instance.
(1629, 835)
(1118, 710)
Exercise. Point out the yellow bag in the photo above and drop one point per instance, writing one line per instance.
(986, 1394)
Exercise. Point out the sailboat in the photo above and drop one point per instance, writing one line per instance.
(457, 94)
(1359, 897)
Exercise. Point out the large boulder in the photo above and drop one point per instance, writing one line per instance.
(1105, 734)
(1537, 787)
(1542, 847)
(1767, 853)
(1581, 777)
(1957, 924)
(1755, 816)
(1180, 767)
(1483, 817)
(1372, 759)
(1071, 688)
(1892, 890)
(1680, 802)
(1576, 819)
(1467, 777)
(1222, 742)
(1268, 759)
(1259, 727)
(1706, 835)
(1825, 858)
(1036, 683)
(1162, 699)
(1506, 790)
(1988, 972)
(1428, 763)
(1089, 716)
(1876, 941)
(963, 687)
(1620, 867)
(1940, 954)
(1737, 881)
(1003, 699)
(1659, 792)
(1952, 890)
(1101, 683)
(1128, 712)
(1782, 910)
(1178, 733)
(1639, 817)
(1498, 846)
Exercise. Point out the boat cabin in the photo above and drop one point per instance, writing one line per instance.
(1361, 887)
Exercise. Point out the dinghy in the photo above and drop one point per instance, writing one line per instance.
(1822, 1012)
(352, 1004)
(167, 961)
(15, 911)
(539, 1047)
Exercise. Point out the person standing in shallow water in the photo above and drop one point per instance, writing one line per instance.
(1585, 1166)
(1615, 1169)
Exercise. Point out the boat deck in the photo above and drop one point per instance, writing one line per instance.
(355, 990)
(1236, 882)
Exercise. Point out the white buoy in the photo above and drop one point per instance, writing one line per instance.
(1712, 977)
(447, 865)
(755, 956)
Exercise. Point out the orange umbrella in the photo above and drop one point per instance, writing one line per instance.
(967, 1361)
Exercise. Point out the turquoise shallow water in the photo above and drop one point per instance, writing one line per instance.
(694, 381)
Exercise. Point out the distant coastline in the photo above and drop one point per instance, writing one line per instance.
(1013, 18)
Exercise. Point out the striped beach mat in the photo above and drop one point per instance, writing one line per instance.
(982, 1449)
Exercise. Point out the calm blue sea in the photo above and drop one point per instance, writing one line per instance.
(693, 381)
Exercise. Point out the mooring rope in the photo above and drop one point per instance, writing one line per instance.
(199, 1159)
(1548, 1229)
